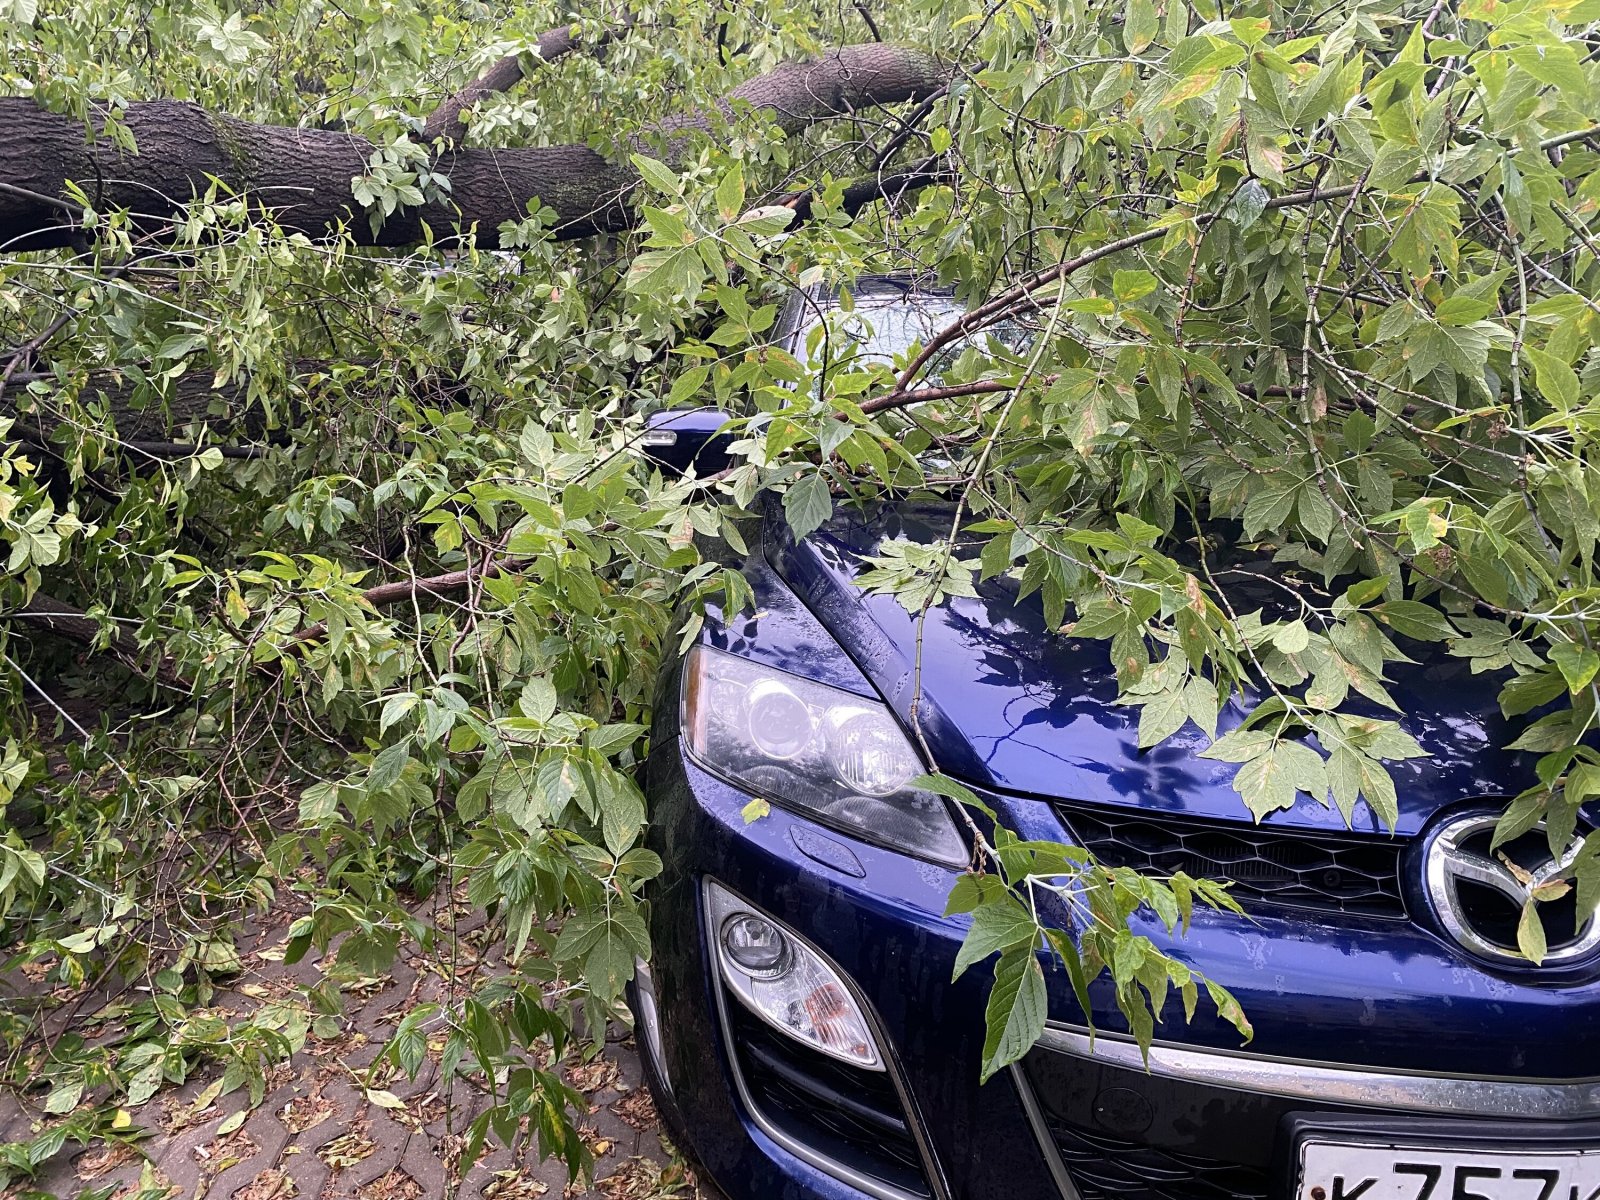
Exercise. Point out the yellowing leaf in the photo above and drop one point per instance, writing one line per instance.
(230, 1123)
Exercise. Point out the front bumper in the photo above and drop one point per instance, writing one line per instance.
(1067, 1122)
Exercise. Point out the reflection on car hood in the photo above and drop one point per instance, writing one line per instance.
(1007, 704)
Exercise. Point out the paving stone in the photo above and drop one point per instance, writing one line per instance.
(283, 1148)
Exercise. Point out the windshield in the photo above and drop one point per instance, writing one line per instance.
(880, 331)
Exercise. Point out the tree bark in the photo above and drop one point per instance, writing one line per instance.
(140, 414)
(191, 399)
(303, 175)
(73, 623)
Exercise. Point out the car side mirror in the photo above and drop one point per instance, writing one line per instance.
(680, 438)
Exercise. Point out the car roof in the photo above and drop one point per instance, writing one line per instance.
(892, 285)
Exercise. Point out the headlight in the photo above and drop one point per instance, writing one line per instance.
(786, 983)
(834, 756)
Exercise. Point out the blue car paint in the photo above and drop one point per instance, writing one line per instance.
(1357, 991)
(885, 930)
(1014, 706)
(684, 439)
(781, 632)
(1026, 716)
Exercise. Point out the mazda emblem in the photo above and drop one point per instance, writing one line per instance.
(1458, 856)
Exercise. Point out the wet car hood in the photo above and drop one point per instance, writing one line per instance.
(1011, 705)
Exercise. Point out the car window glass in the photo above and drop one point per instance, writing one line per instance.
(878, 332)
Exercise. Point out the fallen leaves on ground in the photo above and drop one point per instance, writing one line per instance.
(348, 1149)
(269, 1185)
(644, 1179)
(392, 1185)
(514, 1185)
(637, 1110)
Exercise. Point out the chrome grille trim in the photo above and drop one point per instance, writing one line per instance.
(1336, 1083)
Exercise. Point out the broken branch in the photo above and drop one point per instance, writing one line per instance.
(446, 122)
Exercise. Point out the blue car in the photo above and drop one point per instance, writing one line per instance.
(799, 1024)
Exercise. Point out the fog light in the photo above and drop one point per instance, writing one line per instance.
(756, 945)
(786, 983)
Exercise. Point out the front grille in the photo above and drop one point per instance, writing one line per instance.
(1296, 868)
(851, 1116)
(1107, 1168)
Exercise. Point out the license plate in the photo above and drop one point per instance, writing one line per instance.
(1345, 1171)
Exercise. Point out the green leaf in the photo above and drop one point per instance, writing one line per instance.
(1240, 745)
(1557, 381)
(1015, 1015)
(1394, 166)
(319, 803)
(622, 809)
(1161, 716)
(1530, 933)
(1344, 768)
(1577, 664)
(730, 194)
(1553, 732)
(1001, 924)
(1273, 780)
(1292, 638)
(1415, 620)
(756, 810)
(1524, 813)
(767, 220)
(1200, 701)
(1377, 786)
(1269, 508)
(1067, 951)
(394, 708)
(658, 175)
(1586, 875)
(143, 1084)
(1197, 84)
(64, 1096)
(1140, 25)
(1229, 1010)
(538, 699)
(387, 766)
(807, 504)
(608, 739)
(1365, 591)
(1129, 286)
(1555, 64)
(1252, 198)
(1527, 692)
(1462, 310)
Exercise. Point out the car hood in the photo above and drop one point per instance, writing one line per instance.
(1008, 704)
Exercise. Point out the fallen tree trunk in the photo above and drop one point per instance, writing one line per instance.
(71, 622)
(230, 409)
(140, 412)
(303, 176)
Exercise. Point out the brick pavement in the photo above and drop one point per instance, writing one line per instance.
(318, 1136)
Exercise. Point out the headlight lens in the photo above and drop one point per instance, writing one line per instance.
(807, 746)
